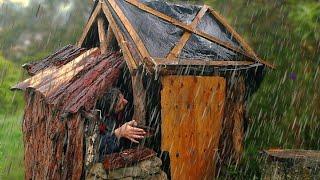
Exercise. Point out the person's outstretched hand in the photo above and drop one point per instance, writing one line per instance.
(129, 131)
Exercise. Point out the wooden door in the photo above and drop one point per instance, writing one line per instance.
(191, 113)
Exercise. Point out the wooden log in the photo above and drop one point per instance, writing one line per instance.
(139, 98)
(185, 62)
(127, 158)
(232, 135)
(48, 75)
(290, 164)
(102, 35)
(53, 147)
(57, 59)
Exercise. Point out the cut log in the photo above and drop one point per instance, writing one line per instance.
(127, 158)
(291, 164)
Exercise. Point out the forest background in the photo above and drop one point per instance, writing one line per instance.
(283, 113)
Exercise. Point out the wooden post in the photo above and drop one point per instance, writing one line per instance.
(232, 135)
(102, 35)
(139, 98)
(110, 37)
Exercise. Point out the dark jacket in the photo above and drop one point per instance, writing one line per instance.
(109, 143)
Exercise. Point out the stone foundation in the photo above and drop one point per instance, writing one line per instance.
(147, 169)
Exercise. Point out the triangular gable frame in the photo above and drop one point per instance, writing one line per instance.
(104, 6)
(113, 28)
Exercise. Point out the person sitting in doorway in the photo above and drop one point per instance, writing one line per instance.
(113, 104)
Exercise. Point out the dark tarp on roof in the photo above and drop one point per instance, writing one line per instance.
(160, 37)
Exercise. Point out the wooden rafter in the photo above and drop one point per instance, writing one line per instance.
(174, 53)
(89, 24)
(102, 35)
(110, 37)
(234, 33)
(135, 37)
(132, 64)
(187, 62)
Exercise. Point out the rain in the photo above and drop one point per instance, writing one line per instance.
(239, 120)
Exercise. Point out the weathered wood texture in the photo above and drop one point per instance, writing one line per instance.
(79, 83)
(232, 134)
(131, 62)
(290, 164)
(53, 146)
(102, 35)
(110, 37)
(192, 109)
(139, 98)
(127, 158)
(59, 58)
(89, 24)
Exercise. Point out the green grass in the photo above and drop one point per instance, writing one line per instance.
(11, 147)
(11, 103)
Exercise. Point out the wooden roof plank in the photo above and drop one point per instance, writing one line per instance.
(131, 63)
(134, 35)
(174, 53)
(89, 24)
(235, 34)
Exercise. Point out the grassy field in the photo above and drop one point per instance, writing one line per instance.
(11, 147)
(11, 103)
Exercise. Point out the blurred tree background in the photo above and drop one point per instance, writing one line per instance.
(284, 113)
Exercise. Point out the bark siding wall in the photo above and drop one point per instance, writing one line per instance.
(53, 146)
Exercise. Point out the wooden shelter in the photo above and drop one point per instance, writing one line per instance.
(186, 71)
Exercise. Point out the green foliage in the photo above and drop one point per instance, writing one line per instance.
(10, 74)
(40, 27)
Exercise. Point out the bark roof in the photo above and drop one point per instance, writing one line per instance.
(70, 85)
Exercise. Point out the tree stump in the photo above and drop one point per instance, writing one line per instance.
(291, 164)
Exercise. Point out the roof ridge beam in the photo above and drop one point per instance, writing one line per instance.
(176, 50)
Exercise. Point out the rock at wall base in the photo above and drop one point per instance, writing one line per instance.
(145, 170)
